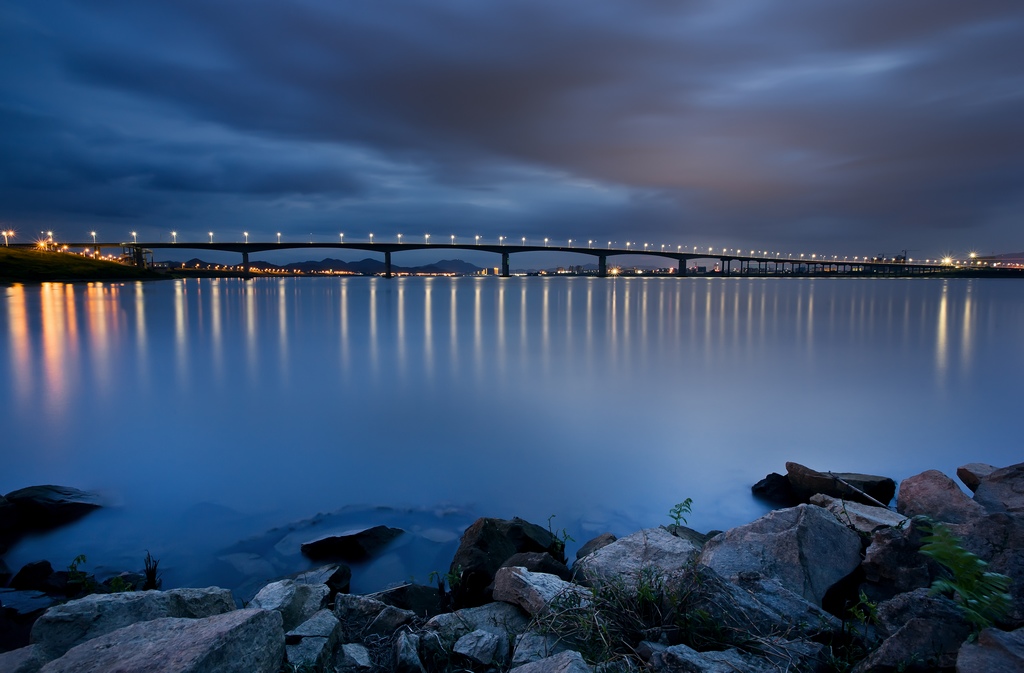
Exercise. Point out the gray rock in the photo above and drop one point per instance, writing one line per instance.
(534, 592)
(804, 547)
(935, 495)
(994, 650)
(295, 601)
(22, 660)
(971, 474)
(353, 658)
(563, 662)
(482, 647)
(650, 550)
(440, 633)
(355, 613)
(687, 660)
(592, 545)
(389, 620)
(862, 518)
(533, 646)
(242, 641)
(312, 642)
(337, 577)
(920, 629)
(1002, 490)
(806, 482)
(64, 626)
(407, 658)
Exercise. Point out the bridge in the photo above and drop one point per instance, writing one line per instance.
(768, 264)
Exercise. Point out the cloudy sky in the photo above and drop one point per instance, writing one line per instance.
(850, 127)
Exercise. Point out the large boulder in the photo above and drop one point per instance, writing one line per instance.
(295, 601)
(534, 592)
(935, 495)
(862, 518)
(64, 626)
(440, 633)
(485, 546)
(998, 540)
(994, 650)
(361, 616)
(776, 489)
(893, 563)
(22, 660)
(804, 547)
(847, 485)
(242, 641)
(49, 506)
(33, 576)
(353, 546)
(1002, 490)
(920, 630)
(652, 550)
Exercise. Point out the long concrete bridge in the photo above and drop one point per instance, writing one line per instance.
(763, 264)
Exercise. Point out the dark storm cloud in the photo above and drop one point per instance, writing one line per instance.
(748, 121)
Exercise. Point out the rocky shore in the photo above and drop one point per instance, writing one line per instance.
(833, 580)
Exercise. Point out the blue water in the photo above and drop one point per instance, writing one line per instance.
(208, 411)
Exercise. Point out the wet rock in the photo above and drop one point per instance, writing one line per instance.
(563, 662)
(994, 650)
(652, 550)
(538, 562)
(441, 632)
(971, 474)
(592, 545)
(356, 546)
(485, 546)
(482, 647)
(49, 506)
(33, 576)
(804, 547)
(422, 600)
(1002, 490)
(361, 616)
(534, 592)
(776, 489)
(806, 482)
(295, 601)
(680, 658)
(860, 517)
(64, 626)
(311, 644)
(242, 641)
(935, 495)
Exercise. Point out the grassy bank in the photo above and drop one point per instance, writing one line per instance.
(21, 265)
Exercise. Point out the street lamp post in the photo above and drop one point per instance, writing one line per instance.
(426, 239)
(453, 239)
(7, 232)
(135, 237)
(93, 237)
(478, 239)
(246, 234)
(501, 240)
(545, 242)
(524, 240)
(211, 236)
(279, 238)
(371, 238)
(341, 237)
(174, 237)
(399, 238)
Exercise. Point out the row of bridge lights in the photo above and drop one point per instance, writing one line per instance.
(8, 234)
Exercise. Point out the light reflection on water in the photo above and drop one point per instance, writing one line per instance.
(603, 401)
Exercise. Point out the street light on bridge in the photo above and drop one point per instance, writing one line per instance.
(246, 234)
(279, 238)
(545, 242)
(524, 240)
(135, 237)
(371, 238)
(501, 240)
(478, 239)
(174, 237)
(590, 244)
(7, 233)
(341, 237)
(453, 239)
(399, 238)
(211, 236)
(93, 237)
(426, 239)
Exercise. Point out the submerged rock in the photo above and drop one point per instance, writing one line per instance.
(847, 485)
(49, 506)
(356, 546)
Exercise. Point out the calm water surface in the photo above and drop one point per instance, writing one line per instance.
(208, 411)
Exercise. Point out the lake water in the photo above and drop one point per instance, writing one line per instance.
(209, 411)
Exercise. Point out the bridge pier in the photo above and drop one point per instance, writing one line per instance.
(245, 264)
(504, 265)
(387, 264)
(681, 271)
(602, 266)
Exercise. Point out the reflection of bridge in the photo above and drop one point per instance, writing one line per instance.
(762, 265)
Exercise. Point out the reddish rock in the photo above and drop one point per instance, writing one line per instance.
(935, 495)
